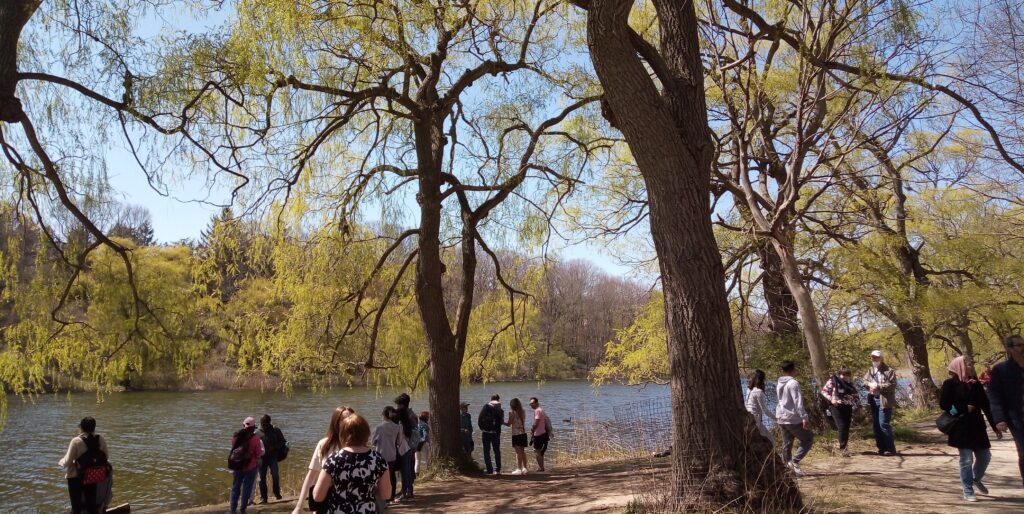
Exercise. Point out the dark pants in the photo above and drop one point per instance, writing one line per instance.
(271, 463)
(791, 431)
(492, 442)
(467, 443)
(842, 415)
(393, 476)
(881, 420)
(83, 497)
(1018, 439)
(408, 462)
(241, 488)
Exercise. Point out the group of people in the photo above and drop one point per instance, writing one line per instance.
(967, 400)
(256, 449)
(491, 420)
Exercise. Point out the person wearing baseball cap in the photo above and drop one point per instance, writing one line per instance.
(243, 460)
(881, 383)
(466, 427)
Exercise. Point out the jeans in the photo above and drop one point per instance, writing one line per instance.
(843, 415)
(791, 431)
(80, 505)
(467, 443)
(881, 420)
(242, 486)
(973, 464)
(269, 462)
(407, 461)
(392, 475)
(492, 441)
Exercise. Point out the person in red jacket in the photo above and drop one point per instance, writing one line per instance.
(245, 478)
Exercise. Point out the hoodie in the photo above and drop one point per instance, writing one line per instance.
(790, 410)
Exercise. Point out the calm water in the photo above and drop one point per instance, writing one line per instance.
(170, 450)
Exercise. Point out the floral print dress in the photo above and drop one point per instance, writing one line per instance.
(354, 477)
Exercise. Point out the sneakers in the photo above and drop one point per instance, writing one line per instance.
(969, 496)
(845, 453)
(523, 471)
(795, 468)
(517, 472)
(980, 487)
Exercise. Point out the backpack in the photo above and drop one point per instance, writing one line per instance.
(489, 419)
(415, 438)
(239, 458)
(92, 466)
(282, 451)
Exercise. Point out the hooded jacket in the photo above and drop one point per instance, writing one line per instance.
(790, 410)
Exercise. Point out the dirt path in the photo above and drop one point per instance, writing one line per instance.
(924, 479)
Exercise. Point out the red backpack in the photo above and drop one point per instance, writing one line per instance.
(92, 465)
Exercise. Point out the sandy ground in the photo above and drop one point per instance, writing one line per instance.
(923, 480)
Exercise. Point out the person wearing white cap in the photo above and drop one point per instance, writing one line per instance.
(881, 383)
(246, 450)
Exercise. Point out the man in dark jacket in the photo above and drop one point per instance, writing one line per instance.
(1006, 395)
(490, 420)
(273, 441)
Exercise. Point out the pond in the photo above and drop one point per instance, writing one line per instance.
(170, 449)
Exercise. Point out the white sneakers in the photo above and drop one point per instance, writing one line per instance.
(519, 472)
(795, 468)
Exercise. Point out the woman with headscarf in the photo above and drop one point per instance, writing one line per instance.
(963, 396)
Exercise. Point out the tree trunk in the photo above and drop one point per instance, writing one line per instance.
(718, 459)
(14, 14)
(444, 379)
(808, 314)
(782, 308)
(926, 394)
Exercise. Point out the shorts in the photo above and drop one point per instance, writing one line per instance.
(519, 441)
(540, 443)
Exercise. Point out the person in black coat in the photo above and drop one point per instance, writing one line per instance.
(964, 397)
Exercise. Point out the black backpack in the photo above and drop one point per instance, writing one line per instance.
(92, 466)
(490, 418)
(239, 458)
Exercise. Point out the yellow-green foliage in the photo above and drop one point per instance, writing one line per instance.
(639, 353)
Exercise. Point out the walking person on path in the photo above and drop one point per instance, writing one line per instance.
(842, 397)
(246, 450)
(880, 380)
(490, 421)
(755, 402)
(466, 428)
(410, 422)
(87, 449)
(517, 425)
(390, 442)
(324, 448)
(792, 418)
(1006, 395)
(963, 396)
(540, 432)
(354, 478)
(273, 441)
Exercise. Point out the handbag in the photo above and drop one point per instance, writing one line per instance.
(946, 422)
(315, 506)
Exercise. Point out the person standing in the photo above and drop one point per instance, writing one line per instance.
(963, 396)
(324, 448)
(273, 440)
(755, 402)
(86, 450)
(423, 427)
(881, 383)
(409, 422)
(842, 397)
(540, 432)
(389, 441)
(490, 421)
(466, 428)
(246, 450)
(1006, 395)
(517, 425)
(792, 418)
(353, 479)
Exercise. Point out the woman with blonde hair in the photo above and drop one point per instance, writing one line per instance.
(354, 477)
(324, 448)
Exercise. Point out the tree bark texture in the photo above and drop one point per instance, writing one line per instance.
(14, 14)
(782, 308)
(805, 305)
(717, 458)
